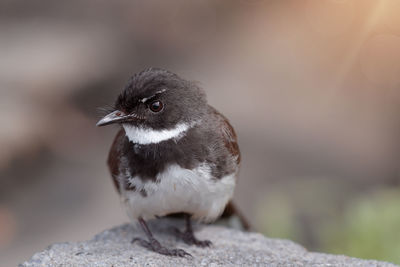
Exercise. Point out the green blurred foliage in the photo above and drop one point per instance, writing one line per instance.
(366, 226)
(370, 228)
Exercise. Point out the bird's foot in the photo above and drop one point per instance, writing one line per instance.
(189, 238)
(155, 246)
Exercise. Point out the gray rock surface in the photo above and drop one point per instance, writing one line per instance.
(231, 248)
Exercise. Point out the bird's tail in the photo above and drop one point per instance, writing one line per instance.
(233, 218)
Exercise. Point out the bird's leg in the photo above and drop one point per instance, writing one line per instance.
(154, 245)
(188, 236)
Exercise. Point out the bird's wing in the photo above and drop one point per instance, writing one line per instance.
(114, 158)
(228, 134)
(231, 215)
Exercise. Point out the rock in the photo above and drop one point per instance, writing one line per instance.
(230, 248)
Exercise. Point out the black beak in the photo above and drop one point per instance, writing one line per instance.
(119, 117)
(113, 117)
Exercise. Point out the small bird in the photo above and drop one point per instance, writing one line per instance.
(174, 154)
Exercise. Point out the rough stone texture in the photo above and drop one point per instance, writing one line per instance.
(231, 248)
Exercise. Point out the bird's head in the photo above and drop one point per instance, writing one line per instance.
(157, 100)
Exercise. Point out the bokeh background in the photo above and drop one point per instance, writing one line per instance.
(312, 88)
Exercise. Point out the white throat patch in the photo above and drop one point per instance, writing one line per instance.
(145, 136)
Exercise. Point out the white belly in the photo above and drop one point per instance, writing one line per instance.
(180, 190)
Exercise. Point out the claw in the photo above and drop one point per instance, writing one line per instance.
(189, 238)
(155, 246)
(182, 253)
(135, 239)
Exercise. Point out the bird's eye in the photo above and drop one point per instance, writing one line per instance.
(156, 106)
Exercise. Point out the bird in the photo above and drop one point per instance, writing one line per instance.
(173, 154)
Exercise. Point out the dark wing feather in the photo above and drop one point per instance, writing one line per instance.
(230, 139)
(114, 157)
(228, 134)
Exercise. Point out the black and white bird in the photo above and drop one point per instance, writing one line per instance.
(173, 154)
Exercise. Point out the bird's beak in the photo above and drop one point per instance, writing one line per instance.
(113, 117)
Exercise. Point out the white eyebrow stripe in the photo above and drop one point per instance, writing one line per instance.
(147, 98)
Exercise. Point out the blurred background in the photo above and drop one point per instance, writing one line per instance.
(312, 88)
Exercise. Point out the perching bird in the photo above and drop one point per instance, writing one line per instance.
(173, 154)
